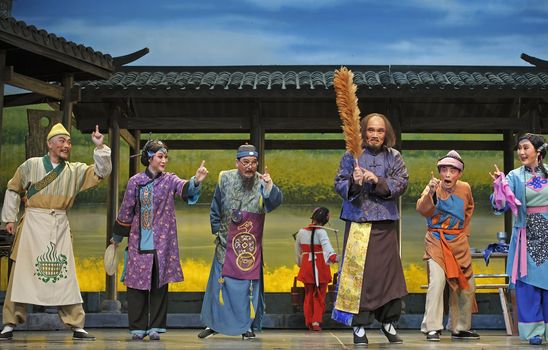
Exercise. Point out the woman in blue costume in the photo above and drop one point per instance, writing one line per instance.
(525, 192)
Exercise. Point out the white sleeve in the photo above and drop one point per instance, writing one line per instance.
(298, 252)
(10, 209)
(326, 244)
(102, 162)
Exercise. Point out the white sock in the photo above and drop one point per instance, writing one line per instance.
(79, 330)
(7, 328)
(389, 327)
(359, 331)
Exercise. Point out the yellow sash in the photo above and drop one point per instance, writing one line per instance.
(350, 285)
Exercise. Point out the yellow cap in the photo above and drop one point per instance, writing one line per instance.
(56, 130)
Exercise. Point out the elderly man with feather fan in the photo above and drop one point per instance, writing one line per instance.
(371, 177)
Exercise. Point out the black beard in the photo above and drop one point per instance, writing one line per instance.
(374, 149)
(247, 182)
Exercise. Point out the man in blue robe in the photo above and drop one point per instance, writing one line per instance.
(234, 299)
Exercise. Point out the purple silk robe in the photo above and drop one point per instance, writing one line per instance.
(372, 203)
(166, 248)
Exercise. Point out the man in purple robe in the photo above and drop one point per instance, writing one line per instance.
(370, 187)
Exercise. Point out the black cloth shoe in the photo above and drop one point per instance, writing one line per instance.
(6, 336)
(359, 340)
(79, 335)
(248, 335)
(392, 338)
(206, 333)
(433, 336)
(465, 335)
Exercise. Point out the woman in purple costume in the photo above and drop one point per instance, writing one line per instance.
(147, 218)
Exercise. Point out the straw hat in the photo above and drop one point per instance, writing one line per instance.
(111, 260)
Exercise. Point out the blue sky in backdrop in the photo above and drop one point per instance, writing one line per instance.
(264, 32)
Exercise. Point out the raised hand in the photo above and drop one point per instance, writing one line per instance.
(201, 173)
(495, 173)
(97, 137)
(433, 184)
(266, 176)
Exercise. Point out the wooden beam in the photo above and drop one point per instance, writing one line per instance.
(24, 99)
(31, 84)
(411, 124)
(128, 137)
(133, 150)
(199, 144)
(66, 104)
(508, 165)
(112, 205)
(2, 82)
(257, 136)
(460, 145)
(332, 144)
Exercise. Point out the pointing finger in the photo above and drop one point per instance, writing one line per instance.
(97, 128)
(203, 163)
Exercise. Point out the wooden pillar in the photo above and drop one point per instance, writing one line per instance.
(394, 114)
(111, 304)
(66, 103)
(257, 136)
(133, 150)
(508, 164)
(2, 69)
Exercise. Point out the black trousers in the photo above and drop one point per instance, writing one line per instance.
(389, 312)
(148, 309)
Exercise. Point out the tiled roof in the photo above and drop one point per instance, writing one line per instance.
(11, 27)
(318, 77)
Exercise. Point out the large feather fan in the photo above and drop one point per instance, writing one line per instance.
(347, 103)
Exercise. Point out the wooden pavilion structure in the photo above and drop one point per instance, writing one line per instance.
(300, 99)
(46, 67)
(262, 99)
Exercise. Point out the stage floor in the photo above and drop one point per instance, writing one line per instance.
(268, 339)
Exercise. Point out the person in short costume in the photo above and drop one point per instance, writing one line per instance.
(313, 252)
(524, 191)
(371, 282)
(448, 205)
(234, 299)
(147, 218)
(43, 272)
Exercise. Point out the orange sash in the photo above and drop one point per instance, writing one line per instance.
(452, 267)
